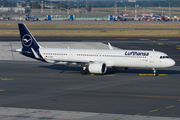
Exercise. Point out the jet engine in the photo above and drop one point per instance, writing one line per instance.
(97, 68)
(120, 68)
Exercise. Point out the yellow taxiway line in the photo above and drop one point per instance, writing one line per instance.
(152, 74)
(136, 114)
(170, 106)
(1, 90)
(6, 79)
(153, 110)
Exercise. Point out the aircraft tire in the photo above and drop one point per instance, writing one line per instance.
(155, 74)
(83, 72)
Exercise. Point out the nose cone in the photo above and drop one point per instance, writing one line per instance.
(172, 62)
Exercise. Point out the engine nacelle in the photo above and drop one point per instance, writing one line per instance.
(97, 68)
(120, 68)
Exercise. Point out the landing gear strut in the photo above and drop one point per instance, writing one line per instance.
(154, 70)
(84, 71)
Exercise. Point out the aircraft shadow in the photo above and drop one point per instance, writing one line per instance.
(150, 71)
(63, 68)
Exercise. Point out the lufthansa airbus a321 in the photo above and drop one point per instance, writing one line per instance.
(93, 60)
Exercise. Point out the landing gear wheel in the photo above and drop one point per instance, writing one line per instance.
(84, 72)
(155, 74)
(154, 70)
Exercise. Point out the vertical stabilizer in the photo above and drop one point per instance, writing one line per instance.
(29, 43)
(27, 39)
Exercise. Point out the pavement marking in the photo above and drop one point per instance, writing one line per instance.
(160, 43)
(163, 39)
(92, 74)
(117, 119)
(153, 110)
(145, 74)
(1, 90)
(170, 106)
(178, 48)
(6, 78)
(110, 75)
(136, 114)
(178, 45)
(162, 74)
(143, 39)
(152, 74)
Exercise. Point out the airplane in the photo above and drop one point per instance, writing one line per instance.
(163, 17)
(120, 18)
(95, 61)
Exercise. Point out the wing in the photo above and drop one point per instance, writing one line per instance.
(80, 62)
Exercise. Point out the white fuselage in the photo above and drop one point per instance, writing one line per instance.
(112, 58)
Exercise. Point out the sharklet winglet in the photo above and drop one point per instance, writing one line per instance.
(110, 47)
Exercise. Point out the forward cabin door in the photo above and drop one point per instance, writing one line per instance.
(151, 58)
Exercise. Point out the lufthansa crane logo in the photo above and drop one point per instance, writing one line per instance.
(27, 40)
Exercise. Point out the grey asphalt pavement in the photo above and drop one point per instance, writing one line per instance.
(135, 93)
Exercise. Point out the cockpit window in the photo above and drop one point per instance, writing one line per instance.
(163, 57)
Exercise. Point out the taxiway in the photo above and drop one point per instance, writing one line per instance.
(136, 92)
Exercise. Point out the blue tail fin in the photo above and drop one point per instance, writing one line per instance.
(27, 39)
(29, 43)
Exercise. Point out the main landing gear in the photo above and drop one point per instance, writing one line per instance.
(154, 70)
(84, 71)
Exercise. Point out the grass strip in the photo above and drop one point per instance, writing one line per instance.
(97, 33)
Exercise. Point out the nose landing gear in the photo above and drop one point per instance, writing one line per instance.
(154, 71)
